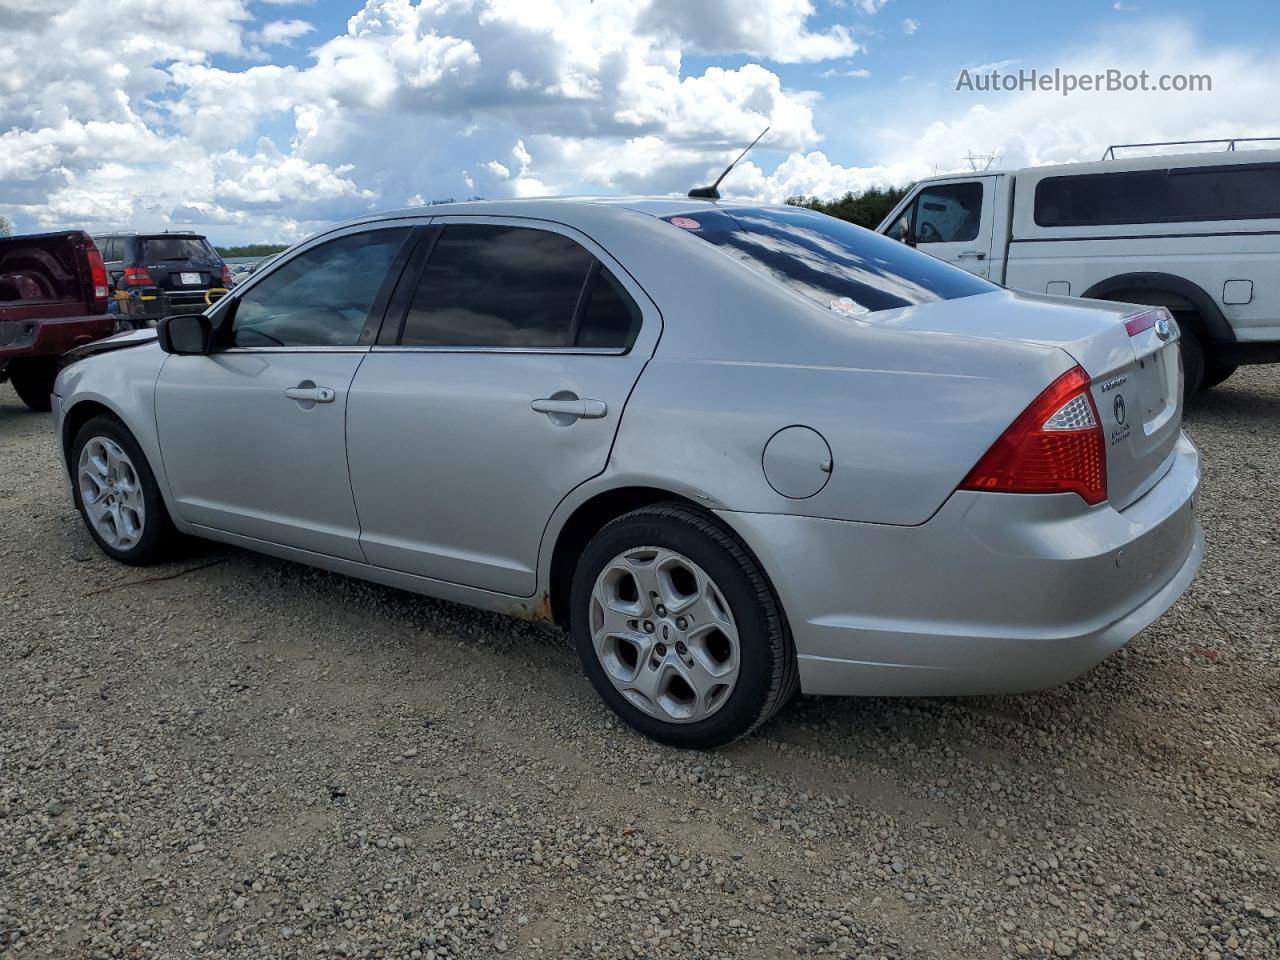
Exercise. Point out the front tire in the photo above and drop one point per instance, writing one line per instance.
(1192, 356)
(33, 381)
(117, 495)
(678, 629)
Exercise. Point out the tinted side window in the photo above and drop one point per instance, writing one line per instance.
(610, 317)
(1245, 192)
(320, 298)
(487, 285)
(948, 213)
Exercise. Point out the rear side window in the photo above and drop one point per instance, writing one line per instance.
(489, 285)
(320, 298)
(1243, 192)
(175, 248)
(835, 264)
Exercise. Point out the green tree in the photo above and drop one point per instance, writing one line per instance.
(6, 226)
(865, 208)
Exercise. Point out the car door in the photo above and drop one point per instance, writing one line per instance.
(952, 221)
(495, 389)
(253, 435)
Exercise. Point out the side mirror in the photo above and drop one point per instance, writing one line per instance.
(187, 334)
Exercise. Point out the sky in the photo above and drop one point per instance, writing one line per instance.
(265, 120)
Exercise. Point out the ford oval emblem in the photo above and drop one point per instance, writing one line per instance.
(1164, 329)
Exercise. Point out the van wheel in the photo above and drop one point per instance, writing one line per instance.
(117, 495)
(33, 381)
(678, 629)
(1192, 357)
(1216, 373)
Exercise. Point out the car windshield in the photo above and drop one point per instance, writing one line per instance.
(835, 264)
(175, 248)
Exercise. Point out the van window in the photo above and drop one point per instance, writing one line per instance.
(948, 213)
(1237, 192)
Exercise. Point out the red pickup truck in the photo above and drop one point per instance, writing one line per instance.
(53, 296)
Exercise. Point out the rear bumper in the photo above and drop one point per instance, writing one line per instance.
(154, 303)
(997, 593)
(51, 337)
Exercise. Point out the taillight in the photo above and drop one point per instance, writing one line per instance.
(97, 272)
(136, 277)
(1055, 446)
(227, 278)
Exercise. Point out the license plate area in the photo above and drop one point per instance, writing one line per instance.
(189, 279)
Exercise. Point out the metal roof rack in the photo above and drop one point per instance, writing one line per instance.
(1230, 142)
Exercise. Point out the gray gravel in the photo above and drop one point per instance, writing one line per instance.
(254, 759)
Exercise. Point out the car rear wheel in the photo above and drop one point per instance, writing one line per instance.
(116, 494)
(678, 629)
(33, 381)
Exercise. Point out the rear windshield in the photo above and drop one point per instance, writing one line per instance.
(175, 248)
(835, 264)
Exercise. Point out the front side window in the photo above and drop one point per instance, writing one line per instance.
(320, 298)
(835, 264)
(490, 285)
(948, 213)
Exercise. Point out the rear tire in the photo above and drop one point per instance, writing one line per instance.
(1216, 373)
(124, 513)
(33, 381)
(691, 580)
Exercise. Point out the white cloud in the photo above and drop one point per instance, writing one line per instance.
(284, 31)
(776, 30)
(910, 25)
(871, 6)
(857, 73)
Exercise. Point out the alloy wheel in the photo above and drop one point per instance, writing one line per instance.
(111, 493)
(664, 634)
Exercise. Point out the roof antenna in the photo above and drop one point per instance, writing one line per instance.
(711, 193)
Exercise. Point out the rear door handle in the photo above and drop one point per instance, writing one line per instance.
(971, 253)
(314, 394)
(586, 409)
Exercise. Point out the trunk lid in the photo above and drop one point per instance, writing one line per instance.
(1136, 372)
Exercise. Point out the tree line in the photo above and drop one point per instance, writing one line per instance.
(252, 250)
(866, 208)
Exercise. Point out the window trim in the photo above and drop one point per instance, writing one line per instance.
(1165, 173)
(412, 276)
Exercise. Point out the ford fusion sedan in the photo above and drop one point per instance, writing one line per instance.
(736, 450)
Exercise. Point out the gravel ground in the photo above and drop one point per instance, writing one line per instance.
(254, 759)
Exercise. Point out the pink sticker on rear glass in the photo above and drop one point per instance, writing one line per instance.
(686, 222)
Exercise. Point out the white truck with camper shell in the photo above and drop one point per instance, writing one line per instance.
(1198, 233)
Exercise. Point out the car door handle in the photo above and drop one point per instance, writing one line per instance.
(314, 394)
(971, 253)
(586, 409)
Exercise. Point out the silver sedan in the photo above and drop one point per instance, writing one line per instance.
(736, 449)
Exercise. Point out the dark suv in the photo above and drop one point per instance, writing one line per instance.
(154, 275)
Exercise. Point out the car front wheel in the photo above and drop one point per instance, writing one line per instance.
(116, 494)
(678, 629)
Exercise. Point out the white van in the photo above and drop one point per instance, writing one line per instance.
(1198, 233)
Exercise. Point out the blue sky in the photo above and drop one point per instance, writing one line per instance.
(253, 120)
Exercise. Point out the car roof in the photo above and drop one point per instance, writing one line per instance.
(1157, 161)
(551, 207)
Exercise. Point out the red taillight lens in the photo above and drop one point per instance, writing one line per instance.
(136, 277)
(227, 278)
(97, 272)
(1055, 446)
